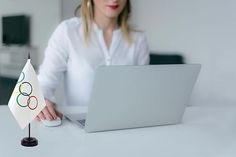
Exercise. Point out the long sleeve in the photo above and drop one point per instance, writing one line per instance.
(54, 63)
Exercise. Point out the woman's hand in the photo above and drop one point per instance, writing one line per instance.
(49, 112)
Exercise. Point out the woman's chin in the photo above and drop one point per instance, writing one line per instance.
(112, 15)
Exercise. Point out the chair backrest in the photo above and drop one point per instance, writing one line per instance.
(166, 59)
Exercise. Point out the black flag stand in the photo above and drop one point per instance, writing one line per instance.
(29, 141)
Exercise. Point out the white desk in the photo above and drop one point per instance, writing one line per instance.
(205, 132)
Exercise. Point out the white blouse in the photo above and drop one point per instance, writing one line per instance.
(68, 55)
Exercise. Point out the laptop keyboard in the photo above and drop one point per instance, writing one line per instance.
(81, 121)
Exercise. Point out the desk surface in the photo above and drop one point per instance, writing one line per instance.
(206, 131)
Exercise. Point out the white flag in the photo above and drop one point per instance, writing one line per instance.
(27, 100)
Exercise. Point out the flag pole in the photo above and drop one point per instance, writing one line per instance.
(29, 141)
(29, 130)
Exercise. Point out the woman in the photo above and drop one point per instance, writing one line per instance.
(100, 36)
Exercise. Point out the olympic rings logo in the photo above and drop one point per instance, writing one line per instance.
(24, 97)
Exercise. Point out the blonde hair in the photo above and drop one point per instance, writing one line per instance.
(86, 11)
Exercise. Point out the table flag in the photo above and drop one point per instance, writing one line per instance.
(27, 100)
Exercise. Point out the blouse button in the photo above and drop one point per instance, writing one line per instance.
(108, 61)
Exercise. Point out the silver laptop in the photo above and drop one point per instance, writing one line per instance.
(138, 96)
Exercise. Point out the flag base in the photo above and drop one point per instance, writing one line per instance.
(29, 142)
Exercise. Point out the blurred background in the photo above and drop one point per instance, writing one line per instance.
(202, 31)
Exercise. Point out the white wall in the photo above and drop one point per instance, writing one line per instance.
(205, 32)
(68, 8)
(45, 16)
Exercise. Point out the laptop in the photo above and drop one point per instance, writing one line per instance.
(126, 97)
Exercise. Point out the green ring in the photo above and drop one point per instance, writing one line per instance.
(17, 100)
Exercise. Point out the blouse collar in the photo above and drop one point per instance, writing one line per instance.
(99, 30)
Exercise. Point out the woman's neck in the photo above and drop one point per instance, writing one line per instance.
(106, 24)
